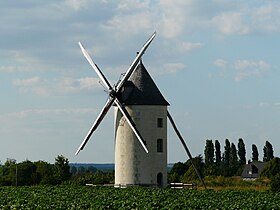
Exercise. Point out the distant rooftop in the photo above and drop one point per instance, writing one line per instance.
(140, 89)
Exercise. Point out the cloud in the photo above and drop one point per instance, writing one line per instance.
(248, 19)
(242, 69)
(246, 68)
(30, 113)
(63, 86)
(173, 17)
(221, 63)
(231, 23)
(76, 4)
(171, 68)
(189, 46)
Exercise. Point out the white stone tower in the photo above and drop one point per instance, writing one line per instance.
(148, 109)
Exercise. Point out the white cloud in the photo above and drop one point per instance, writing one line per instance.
(246, 68)
(171, 68)
(130, 24)
(41, 87)
(248, 19)
(31, 113)
(231, 23)
(189, 46)
(76, 4)
(221, 63)
(173, 17)
(242, 69)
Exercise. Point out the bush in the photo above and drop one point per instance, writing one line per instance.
(275, 183)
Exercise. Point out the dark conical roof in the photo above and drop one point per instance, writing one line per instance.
(140, 89)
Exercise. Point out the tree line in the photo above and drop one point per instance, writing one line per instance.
(228, 163)
(43, 173)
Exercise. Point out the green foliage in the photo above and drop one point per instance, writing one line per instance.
(233, 160)
(218, 153)
(209, 152)
(241, 151)
(61, 169)
(255, 153)
(190, 174)
(97, 178)
(271, 168)
(226, 153)
(275, 183)
(267, 152)
(77, 197)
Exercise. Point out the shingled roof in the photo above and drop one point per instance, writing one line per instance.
(140, 89)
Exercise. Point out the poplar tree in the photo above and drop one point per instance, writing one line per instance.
(241, 151)
(267, 152)
(233, 160)
(218, 152)
(209, 152)
(226, 153)
(255, 153)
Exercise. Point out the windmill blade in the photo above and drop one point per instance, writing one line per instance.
(185, 147)
(95, 67)
(131, 124)
(96, 123)
(135, 62)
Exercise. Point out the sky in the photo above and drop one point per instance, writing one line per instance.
(216, 62)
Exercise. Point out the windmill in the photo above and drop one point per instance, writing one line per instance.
(140, 125)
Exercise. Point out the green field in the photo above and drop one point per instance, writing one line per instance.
(72, 197)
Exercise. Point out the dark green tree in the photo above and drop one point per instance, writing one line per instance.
(190, 174)
(218, 153)
(61, 169)
(226, 153)
(225, 170)
(26, 173)
(267, 152)
(209, 153)
(241, 151)
(81, 169)
(45, 173)
(91, 169)
(233, 160)
(255, 153)
(73, 170)
(177, 171)
(271, 168)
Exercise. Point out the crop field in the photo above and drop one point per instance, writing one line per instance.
(74, 197)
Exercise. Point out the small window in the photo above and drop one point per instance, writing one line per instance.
(159, 122)
(159, 145)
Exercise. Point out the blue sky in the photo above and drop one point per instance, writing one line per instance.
(216, 62)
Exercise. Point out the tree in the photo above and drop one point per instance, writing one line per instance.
(226, 153)
(271, 168)
(45, 172)
(233, 160)
(26, 173)
(73, 170)
(178, 170)
(218, 152)
(241, 151)
(267, 152)
(81, 169)
(225, 170)
(255, 153)
(190, 174)
(61, 169)
(91, 169)
(209, 153)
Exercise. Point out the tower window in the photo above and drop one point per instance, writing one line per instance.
(159, 145)
(159, 122)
